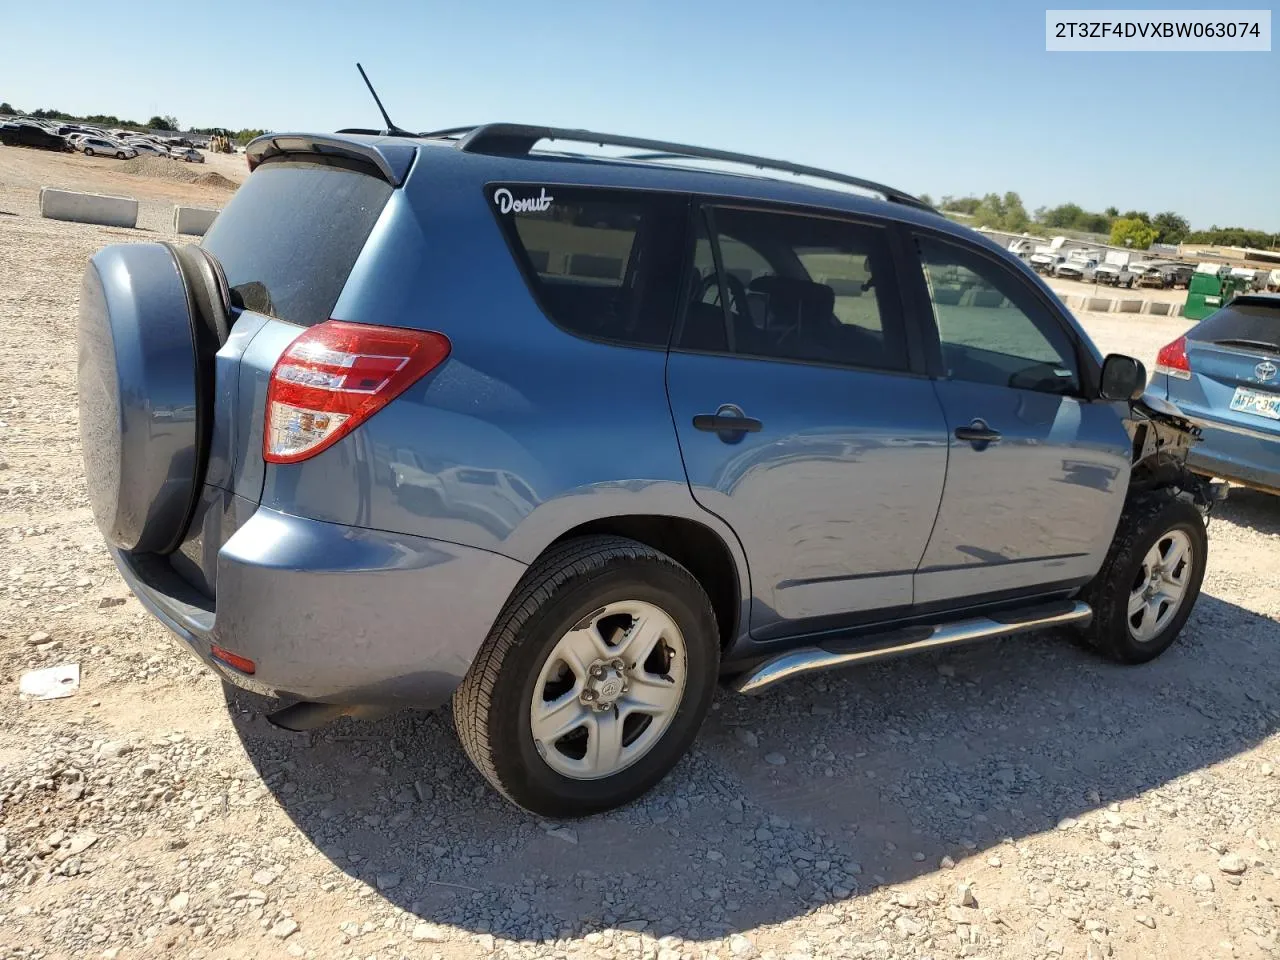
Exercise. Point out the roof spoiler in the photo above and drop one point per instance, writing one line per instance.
(517, 139)
(390, 159)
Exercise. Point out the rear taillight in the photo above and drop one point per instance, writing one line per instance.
(1172, 360)
(336, 376)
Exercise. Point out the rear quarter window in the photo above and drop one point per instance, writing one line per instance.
(604, 264)
(290, 236)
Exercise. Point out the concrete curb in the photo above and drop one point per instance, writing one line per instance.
(1155, 308)
(88, 208)
(193, 221)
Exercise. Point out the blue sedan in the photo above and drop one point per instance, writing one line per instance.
(1224, 374)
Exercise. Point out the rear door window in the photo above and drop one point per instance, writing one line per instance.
(604, 264)
(291, 235)
(793, 287)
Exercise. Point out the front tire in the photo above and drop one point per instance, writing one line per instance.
(88, 151)
(593, 681)
(119, 154)
(1150, 579)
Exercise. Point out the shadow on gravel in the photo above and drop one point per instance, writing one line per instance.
(887, 769)
(1251, 508)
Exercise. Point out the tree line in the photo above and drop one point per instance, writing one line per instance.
(167, 123)
(1135, 228)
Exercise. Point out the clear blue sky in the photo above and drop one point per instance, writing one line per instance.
(941, 97)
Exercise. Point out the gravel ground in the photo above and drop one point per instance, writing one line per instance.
(1020, 799)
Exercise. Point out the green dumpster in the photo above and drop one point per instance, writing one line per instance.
(1211, 287)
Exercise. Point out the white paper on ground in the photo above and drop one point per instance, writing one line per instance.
(51, 682)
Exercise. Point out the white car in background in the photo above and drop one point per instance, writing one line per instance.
(1072, 269)
(1045, 263)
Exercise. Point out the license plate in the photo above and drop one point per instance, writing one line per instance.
(1255, 402)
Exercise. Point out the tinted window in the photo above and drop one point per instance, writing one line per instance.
(992, 326)
(290, 236)
(1242, 324)
(794, 288)
(602, 263)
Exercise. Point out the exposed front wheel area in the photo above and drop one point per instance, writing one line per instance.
(608, 691)
(594, 681)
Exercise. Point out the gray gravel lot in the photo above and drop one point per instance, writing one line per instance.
(1020, 799)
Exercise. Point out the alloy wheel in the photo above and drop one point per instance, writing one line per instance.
(608, 690)
(1158, 590)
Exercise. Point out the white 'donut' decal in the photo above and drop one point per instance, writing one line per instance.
(510, 204)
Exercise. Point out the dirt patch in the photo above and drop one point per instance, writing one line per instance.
(175, 170)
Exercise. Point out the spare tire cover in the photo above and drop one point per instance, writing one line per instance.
(140, 426)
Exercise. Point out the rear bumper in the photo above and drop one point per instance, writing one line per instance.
(332, 613)
(1233, 452)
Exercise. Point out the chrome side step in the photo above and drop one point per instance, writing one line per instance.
(909, 640)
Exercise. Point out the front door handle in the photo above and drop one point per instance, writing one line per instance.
(978, 433)
(729, 423)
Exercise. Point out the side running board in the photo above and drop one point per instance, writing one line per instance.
(842, 653)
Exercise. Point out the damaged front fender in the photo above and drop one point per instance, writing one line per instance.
(1162, 437)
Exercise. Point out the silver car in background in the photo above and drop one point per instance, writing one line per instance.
(146, 148)
(1112, 274)
(100, 146)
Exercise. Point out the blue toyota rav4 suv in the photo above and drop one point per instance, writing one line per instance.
(569, 438)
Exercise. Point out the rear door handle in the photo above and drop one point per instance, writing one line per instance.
(719, 423)
(729, 423)
(978, 432)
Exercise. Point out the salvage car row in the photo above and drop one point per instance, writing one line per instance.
(1090, 269)
(1085, 266)
(93, 141)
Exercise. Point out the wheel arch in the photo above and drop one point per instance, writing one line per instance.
(695, 546)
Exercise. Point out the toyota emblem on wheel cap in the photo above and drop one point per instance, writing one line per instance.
(1266, 370)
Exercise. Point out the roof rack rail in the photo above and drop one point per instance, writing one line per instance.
(518, 138)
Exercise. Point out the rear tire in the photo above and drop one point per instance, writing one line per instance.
(88, 151)
(525, 670)
(1159, 551)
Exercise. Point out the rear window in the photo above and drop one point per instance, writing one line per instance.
(290, 236)
(1243, 324)
(603, 264)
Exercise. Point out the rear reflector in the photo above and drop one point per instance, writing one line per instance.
(1172, 360)
(243, 664)
(337, 375)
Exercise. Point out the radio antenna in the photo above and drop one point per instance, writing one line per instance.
(391, 130)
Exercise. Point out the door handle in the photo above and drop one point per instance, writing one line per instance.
(978, 433)
(720, 423)
(729, 423)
